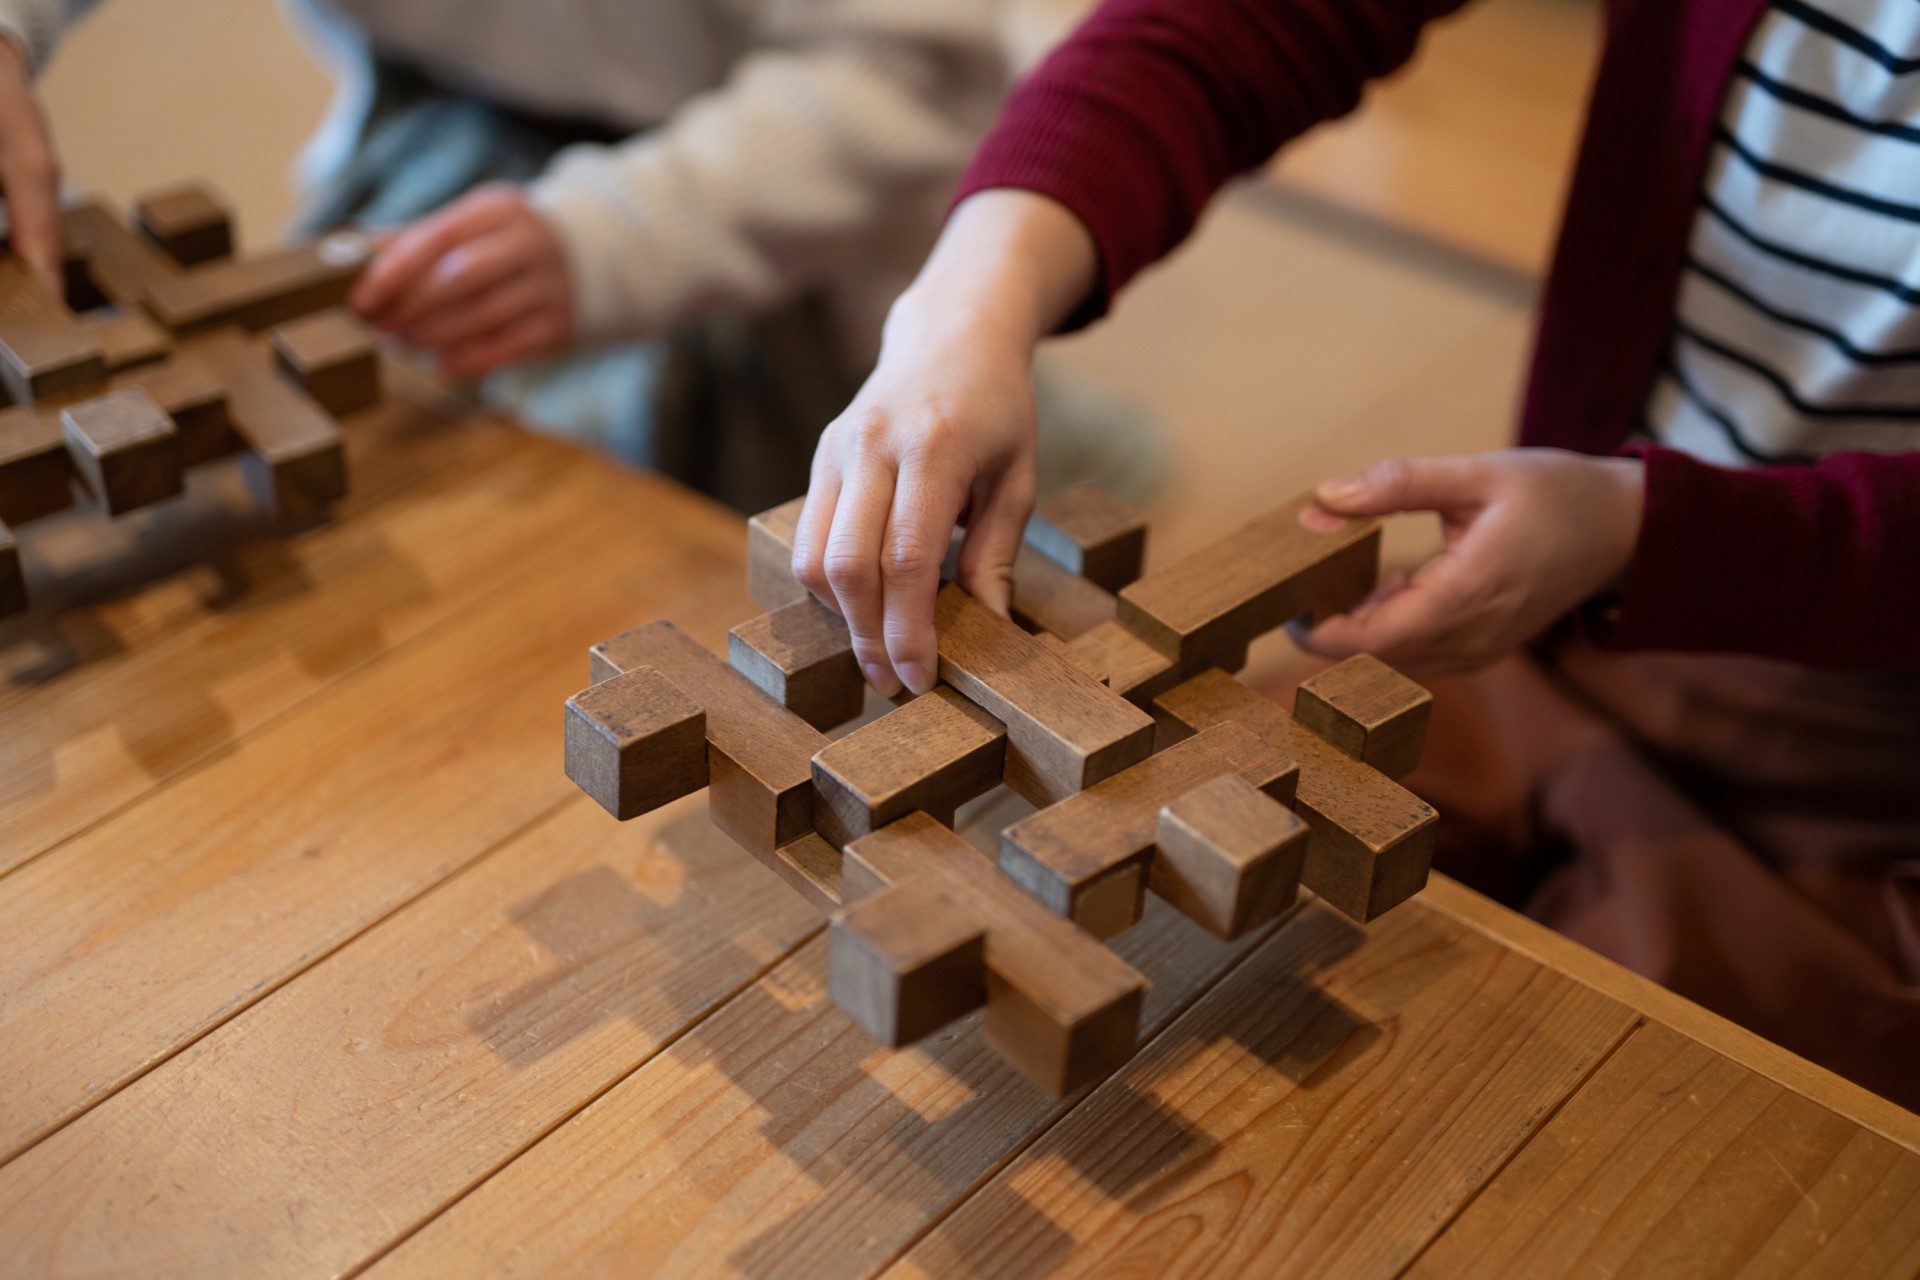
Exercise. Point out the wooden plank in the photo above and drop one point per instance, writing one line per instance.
(1087, 857)
(775, 1140)
(1207, 605)
(801, 656)
(333, 356)
(170, 683)
(187, 221)
(44, 351)
(1325, 1110)
(1372, 842)
(124, 449)
(1674, 1160)
(1228, 856)
(934, 754)
(262, 290)
(1089, 532)
(1064, 731)
(176, 914)
(1656, 1003)
(295, 462)
(303, 1136)
(762, 776)
(1368, 710)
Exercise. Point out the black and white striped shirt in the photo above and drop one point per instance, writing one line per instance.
(1797, 329)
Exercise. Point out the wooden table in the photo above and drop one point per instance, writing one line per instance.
(312, 962)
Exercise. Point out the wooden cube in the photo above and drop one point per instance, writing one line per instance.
(1369, 711)
(1092, 533)
(1229, 856)
(333, 356)
(907, 961)
(124, 449)
(636, 742)
(188, 222)
(801, 656)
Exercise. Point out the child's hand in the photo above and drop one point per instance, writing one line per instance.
(481, 283)
(1530, 533)
(29, 168)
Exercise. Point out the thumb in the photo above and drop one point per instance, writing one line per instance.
(1406, 484)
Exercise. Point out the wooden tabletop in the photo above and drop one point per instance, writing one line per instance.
(313, 963)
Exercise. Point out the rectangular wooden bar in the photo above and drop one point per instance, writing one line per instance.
(934, 754)
(124, 449)
(262, 290)
(801, 656)
(295, 463)
(44, 351)
(1089, 532)
(1368, 710)
(1065, 731)
(333, 356)
(121, 265)
(126, 338)
(187, 221)
(36, 475)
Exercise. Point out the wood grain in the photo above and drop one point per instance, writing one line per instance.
(1368, 710)
(1674, 1160)
(634, 743)
(775, 1140)
(1088, 531)
(1047, 597)
(1228, 856)
(1286, 1124)
(180, 912)
(302, 1137)
(935, 753)
(801, 656)
(1065, 731)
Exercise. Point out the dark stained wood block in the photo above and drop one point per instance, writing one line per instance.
(1049, 598)
(295, 462)
(1229, 856)
(1087, 857)
(1088, 531)
(1368, 710)
(802, 656)
(120, 265)
(124, 449)
(1065, 732)
(195, 399)
(908, 960)
(934, 754)
(127, 339)
(1206, 607)
(333, 356)
(1061, 1008)
(188, 222)
(1372, 839)
(36, 476)
(770, 578)
(1133, 668)
(262, 290)
(44, 351)
(760, 754)
(13, 580)
(636, 742)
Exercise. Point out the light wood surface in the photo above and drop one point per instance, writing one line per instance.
(318, 965)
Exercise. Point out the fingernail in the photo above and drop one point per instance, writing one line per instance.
(881, 677)
(1320, 520)
(916, 677)
(1340, 489)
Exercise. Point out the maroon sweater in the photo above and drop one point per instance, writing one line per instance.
(1153, 104)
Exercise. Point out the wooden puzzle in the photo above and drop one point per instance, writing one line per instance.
(1107, 704)
(150, 365)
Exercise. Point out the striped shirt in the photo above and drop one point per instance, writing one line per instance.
(1796, 332)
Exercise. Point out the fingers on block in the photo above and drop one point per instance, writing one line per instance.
(1368, 710)
(907, 961)
(801, 656)
(1229, 856)
(636, 742)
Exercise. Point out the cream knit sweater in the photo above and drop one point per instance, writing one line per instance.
(778, 144)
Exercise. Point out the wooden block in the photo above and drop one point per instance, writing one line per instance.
(1086, 858)
(333, 356)
(1060, 1007)
(1064, 731)
(120, 265)
(1089, 532)
(636, 742)
(127, 338)
(295, 463)
(1133, 668)
(1049, 598)
(907, 961)
(1229, 856)
(36, 476)
(770, 578)
(1207, 606)
(1372, 839)
(1368, 710)
(13, 580)
(802, 657)
(1055, 644)
(195, 399)
(264, 290)
(934, 754)
(124, 449)
(188, 222)
(44, 351)
(760, 754)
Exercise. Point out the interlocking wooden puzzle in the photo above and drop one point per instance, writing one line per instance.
(148, 366)
(1107, 705)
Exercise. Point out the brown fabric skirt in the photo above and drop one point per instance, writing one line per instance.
(1745, 832)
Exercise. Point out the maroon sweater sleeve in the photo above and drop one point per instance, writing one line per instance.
(1151, 105)
(1813, 563)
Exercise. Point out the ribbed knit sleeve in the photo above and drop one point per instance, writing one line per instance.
(1140, 116)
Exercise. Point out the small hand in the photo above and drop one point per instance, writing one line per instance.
(1529, 533)
(481, 283)
(29, 169)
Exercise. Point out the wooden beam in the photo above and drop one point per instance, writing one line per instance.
(44, 351)
(262, 290)
(333, 356)
(1087, 531)
(295, 462)
(126, 338)
(122, 266)
(934, 754)
(1049, 598)
(1228, 856)
(187, 221)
